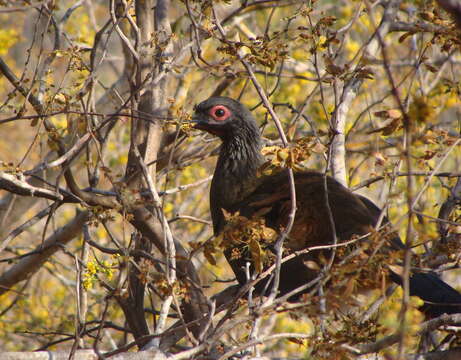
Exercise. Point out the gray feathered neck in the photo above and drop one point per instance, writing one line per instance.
(240, 154)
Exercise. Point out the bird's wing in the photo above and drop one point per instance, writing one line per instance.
(314, 216)
(270, 206)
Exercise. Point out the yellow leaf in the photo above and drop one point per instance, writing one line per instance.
(283, 154)
(269, 150)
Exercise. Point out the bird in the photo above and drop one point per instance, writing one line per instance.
(249, 210)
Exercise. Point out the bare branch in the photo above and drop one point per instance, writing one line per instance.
(18, 185)
(32, 263)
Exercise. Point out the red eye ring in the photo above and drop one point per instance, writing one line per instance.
(219, 112)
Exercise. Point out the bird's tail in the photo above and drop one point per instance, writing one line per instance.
(439, 297)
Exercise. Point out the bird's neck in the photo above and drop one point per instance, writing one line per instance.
(240, 157)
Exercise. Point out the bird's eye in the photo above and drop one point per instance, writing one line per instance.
(219, 112)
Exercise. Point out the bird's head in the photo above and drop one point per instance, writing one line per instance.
(224, 117)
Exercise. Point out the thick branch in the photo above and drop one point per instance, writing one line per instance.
(20, 186)
(151, 228)
(338, 145)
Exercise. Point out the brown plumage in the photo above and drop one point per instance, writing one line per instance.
(264, 203)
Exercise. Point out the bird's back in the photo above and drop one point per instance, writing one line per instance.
(314, 218)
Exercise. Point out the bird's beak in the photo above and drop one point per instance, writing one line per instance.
(202, 123)
(199, 123)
